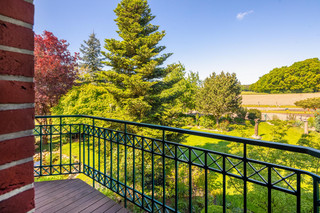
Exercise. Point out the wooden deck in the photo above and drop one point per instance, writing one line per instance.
(72, 196)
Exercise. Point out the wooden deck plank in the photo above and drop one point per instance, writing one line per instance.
(54, 198)
(72, 196)
(90, 201)
(74, 204)
(42, 197)
(44, 193)
(105, 207)
(98, 204)
(49, 188)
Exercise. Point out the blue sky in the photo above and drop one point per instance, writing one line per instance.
(247, 37)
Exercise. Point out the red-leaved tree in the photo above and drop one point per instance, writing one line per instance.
(55, 71)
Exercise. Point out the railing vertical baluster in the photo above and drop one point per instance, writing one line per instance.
(50, 149)
(80, 148)
(125, 165)
(60, 145)
(111, 154)
(84, 147)
(99, 147)
(224, 204)
(269, 189)
(40, 147)
(206, 182)
(118, 162)
(164, 170)
(70, 140)
(88, 149)
(298, 192)
(93, 153)
(142, 168)
(152, 173)
(245, 177)
(133, 170)
(190, 181)
(315, 195)
(176, 176)
(104, 157)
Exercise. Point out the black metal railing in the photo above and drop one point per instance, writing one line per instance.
(140, 163)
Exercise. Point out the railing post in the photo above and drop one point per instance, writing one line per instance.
(190, 181)
(40, 147)
(125, 165)
(316, 195)
(93, 154)
(245, 177)
(50, 149)
(298, 192)
(164, 171)
(60, 126)
(269, 189)
(206, 182)
(176, 176)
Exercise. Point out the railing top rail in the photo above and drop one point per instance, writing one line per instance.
(286, 147)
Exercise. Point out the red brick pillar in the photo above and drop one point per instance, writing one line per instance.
(16, 106)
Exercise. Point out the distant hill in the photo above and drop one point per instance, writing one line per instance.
(300, 77)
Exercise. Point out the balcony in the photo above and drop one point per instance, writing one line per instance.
(150, 172)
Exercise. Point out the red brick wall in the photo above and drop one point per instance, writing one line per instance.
(16, 106)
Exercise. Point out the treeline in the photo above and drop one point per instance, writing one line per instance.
(301, 77)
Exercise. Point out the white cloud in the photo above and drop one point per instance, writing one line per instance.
(240, 16)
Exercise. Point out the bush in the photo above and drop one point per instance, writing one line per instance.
(254, 114)
(311, 122)
(207, 121)
(317, 120)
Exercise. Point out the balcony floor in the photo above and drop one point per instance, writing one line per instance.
(72, 196)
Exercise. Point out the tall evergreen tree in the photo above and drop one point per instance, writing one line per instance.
(141, 86)
(91, 55)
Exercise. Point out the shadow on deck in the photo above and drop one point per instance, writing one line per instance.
(72, 196)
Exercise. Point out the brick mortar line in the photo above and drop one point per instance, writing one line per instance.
(15, 163)
(15, 135)
(4, 107)
(16, 50)
(16, 192)
(16, 78)
(16, 22)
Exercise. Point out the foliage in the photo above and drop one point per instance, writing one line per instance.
(207, 121)
(309, 103)
(91, 56)
(55, 71)
(219, 94)
(302, 76)
(317, 121)
(254, 114)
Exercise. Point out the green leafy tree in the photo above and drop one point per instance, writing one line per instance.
(302, 76)
(309, 103)
(91, 56)
(220, 94)
(141, 86)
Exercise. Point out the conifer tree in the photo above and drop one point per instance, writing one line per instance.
(91, 55)
(138, 82)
